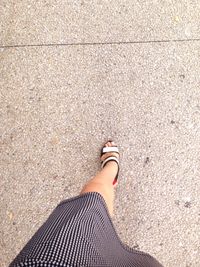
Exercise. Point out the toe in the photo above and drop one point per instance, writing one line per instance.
(112, 143)
(109, 143)
(106, 144)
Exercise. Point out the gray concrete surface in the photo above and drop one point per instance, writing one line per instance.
(59, 104)
(30, 22)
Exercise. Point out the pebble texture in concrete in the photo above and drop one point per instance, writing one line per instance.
(29, 22)
(60, 104)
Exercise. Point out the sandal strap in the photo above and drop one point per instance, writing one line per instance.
(110, 149)
(111, 158)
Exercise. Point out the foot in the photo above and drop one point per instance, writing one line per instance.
(112, 166)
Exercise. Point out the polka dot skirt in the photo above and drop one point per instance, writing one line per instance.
(80, 232)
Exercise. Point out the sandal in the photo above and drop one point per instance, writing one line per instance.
(106, 149)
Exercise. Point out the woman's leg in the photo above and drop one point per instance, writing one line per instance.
(102, 182)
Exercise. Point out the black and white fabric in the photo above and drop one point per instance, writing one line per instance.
(80, 232)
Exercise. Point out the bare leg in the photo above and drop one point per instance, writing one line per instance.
(102, 182)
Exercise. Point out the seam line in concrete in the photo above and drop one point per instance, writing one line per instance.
(99, 43)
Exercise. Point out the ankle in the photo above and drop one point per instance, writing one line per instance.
(109, 171)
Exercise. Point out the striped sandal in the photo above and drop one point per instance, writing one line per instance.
(106, 149)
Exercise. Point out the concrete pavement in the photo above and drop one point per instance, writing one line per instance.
(75, 74)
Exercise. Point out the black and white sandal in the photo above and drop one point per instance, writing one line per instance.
(106, 149)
